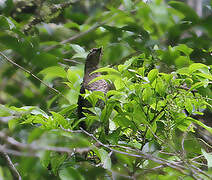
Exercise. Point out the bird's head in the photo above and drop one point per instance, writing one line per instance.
(94, 57)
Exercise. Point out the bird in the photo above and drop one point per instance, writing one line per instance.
(91, 64)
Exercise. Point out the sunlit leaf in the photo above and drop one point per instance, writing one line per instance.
(54, 71)
(208, 157)
(185, 49)
(105, 158)
(207, 76)
(152, 75)
(198, 66)
(106, 69)
(119, 84)
(209, 129)
(6, 23)
(188, 105)
(198, 85)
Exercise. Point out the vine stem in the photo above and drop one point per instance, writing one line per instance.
(33, 75)
(11, 166)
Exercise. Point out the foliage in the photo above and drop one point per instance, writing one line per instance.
(160, 58)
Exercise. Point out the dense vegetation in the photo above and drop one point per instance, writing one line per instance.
(157, 55)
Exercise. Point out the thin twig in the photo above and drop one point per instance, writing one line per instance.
(20, 145)
(34, 76)
(197, 157)
(152, 170)
(173, 165)
(15, 174)
(201, 164)
(202, 172)
(71, 60)
(17, 153)
(77, 36)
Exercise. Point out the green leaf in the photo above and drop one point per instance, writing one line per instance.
(114, 136)
(93, 96)
(197, 66)
(189, 13)
(183, 48)
(182, 61)
(12, 123)
(39, 119)
(207, 23)
(152, 129)
(45, 158)
(114, 93)
(206, 76)
(105, 158)
(60, 119)
(23, 46)
(4, 111)
(6, 23)
(70, 173)
(139, 117)
(68, 109)
(106, 112)
(35, 134)
(119, 84)
(184, 71)
(53, 72)
(122, 67)
(189, 81)
(106, 69)
(123, 159)
(7, 7)
(128, 4)
(147, 95)
(72, 76)
(134, 27)
(152, 75)
(160, 86)
(198, 85)
(77, 48)
(188, 105)
(44, 60)
(209, 129)
(35, 111)
(123, 121)
(208, 157)
(80, 52)
(56, 161)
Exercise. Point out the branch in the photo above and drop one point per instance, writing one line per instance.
(34, 76)
(35, 147)
(77, 36)
(158, 169)
(13, 170)
(174, 165)
(17, 153)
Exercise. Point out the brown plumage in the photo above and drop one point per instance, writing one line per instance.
(91, 64)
